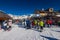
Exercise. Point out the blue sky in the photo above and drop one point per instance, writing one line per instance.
(21, 7)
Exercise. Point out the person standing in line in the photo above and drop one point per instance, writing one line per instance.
(28, 23)
(58, 23)
(25, 23)
(41, 24)
(48, 23)
(0, 26)
(9, 25)
(35, 22)
(4, 26)
(32, 23)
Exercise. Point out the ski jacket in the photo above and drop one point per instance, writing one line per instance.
(41, 23)
(35, 21)
(49, 21)
(27, 21)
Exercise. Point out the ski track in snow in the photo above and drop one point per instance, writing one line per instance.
(28, 34)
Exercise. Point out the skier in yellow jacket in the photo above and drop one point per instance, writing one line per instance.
(41, 24)
(35, 22)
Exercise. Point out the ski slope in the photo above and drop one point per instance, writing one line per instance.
(19, 33)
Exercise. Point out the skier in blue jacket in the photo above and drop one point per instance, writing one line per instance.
(28, 23)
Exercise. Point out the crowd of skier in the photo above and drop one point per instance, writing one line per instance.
(29, 23)
(39, 23)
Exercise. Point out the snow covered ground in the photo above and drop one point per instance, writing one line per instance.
(18, 33)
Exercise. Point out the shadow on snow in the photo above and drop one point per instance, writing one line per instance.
(49, 38)
(56, 30)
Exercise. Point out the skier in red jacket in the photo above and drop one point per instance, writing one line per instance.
(49, 23)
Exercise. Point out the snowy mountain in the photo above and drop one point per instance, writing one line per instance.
(18, 17)
(23, 16)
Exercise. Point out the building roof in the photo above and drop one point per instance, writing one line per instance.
(46, 11)
(4, 16)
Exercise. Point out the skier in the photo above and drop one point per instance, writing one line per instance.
(28, 23)
(35, 22)
(41, 24)
(4, 25)
(9, 24)
(49, 22)
(32, 23)
(58, 23)
(0, 26)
